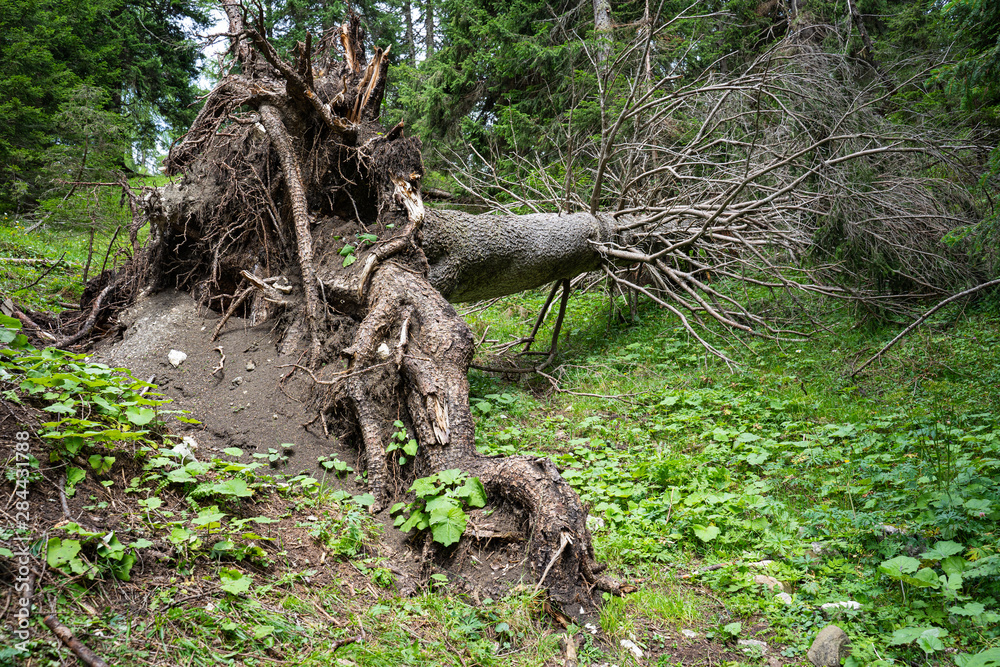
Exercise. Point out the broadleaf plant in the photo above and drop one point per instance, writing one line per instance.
(442, 499)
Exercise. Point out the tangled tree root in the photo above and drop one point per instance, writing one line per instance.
(286, 174)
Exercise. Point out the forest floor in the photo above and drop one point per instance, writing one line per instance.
(712, 489)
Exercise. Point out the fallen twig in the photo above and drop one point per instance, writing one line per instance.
(222, 361)
(229, 311)
(564, 539)
(88, 325)
(341, 375)
(612, 397)
(33, 260)
(344, 642)
(65, 635)
(921, 320)
(569, 646)
(61, 488)
(45, 273)
(31, 324)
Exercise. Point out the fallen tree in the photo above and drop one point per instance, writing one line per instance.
(292, 203)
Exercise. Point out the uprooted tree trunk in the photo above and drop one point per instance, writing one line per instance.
(291, 202)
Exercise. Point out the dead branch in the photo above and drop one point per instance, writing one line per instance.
(236, 303)
(45, 273)
(922, 319)
(784, 177)
(91, 320)
(65, 635)
(222, 361)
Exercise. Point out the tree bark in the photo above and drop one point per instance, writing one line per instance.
(429, 27)
(411, 48)
(603, 31)
(476, 257)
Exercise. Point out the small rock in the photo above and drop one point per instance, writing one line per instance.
(176, 358)
(186, 448)
(816, 550)
(770, 583)
(753, 643)
(690, 634)
(383, 351)
(633, 647)
(889, 529)
(761, 563)
(311, 518)
(830, 647)
(833, 607)
(251, 365)
(784, 597)
(594, 523)
(238, 380)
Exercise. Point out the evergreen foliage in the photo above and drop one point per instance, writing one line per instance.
(83, 82)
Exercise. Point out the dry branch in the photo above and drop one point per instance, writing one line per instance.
(65, 635)
(920, 320)
(783, 177)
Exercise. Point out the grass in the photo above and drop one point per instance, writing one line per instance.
(36, 287)
(698, 462)
(881, 489)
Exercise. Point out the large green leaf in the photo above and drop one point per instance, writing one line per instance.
(942, 549)
(449, 526)
(139, 416)
(473, 492)
(705, 533)
(417, 520)
(925, 578)
(60, 552)
(424, 487)
(122, 568)
(990, 658)
(908, 635)
(235, 582)
(74, 476)
(954, 565)
(10, 323)
(971, 609)
(451, 476)
(440, 506)
(899, 566)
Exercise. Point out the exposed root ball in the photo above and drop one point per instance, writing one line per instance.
(292, 203)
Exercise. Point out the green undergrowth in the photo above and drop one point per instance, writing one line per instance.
(701, 478)
(216, 525)
(66, 234)
(882, 489)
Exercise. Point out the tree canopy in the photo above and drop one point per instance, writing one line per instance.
(82, 84)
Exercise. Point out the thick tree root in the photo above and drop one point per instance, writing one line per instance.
(431, 346)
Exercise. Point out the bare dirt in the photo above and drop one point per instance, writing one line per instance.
(260, 401)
